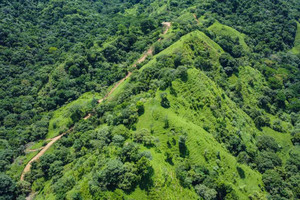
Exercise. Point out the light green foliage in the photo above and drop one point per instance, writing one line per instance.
(223, 30)
(61, 120)
(18, 165)
(211, 115)
(296, 48)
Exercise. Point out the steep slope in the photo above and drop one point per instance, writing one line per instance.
(223, 30)
(296, 48)
(197, 110)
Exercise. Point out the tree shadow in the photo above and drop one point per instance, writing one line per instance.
(146, 180)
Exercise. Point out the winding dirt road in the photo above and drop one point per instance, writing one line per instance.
(166, 25)
(44, 149)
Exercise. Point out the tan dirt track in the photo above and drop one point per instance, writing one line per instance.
(53, 140)
(196, 18)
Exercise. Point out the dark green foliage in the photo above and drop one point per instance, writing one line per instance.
(267, 160)
(267, 143)
(54, 51)
(203, 63)
(164, 100)
(110, 176)
(62, 186)
(296, 139)
(225, 191)
(166, 122)
(181, 72)
(140, 107)
(228, 63)
(243, 15)
(144, 136)
(243, 157)
(7, 187)
(182, 146)
(241, 172)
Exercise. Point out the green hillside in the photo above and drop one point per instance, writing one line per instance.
(197, 111)
(223, 30)
(134, 100)
(296, 48)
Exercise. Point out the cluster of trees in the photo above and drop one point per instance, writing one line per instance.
(125, 170)
(52, 52)
(282, 182)
(275, 34)
(204, 182)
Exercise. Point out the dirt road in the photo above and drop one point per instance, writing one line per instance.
(53, 140)
(166, 25)
(196, 18)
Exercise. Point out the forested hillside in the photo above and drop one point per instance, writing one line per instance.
(122, 105)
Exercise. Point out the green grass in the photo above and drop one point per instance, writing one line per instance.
(220, 29)
(182, 45)
(157, 8)
(283, 139)
(196, 37)
(198, 142)
(186, 17)
(61, 119)
(198, 107)
(19, 164)
(253, 83)
(296, 48)
(38, 144)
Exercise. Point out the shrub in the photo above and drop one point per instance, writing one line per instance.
(205, 192)
(267, 143)
(267, 160)
(164, 100)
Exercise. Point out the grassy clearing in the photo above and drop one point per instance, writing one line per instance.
(220, 29)
(198, 108)
(18, 165)
(296, 48)
(38, 144)
(61, 120)
(199, 141)
(186, 17)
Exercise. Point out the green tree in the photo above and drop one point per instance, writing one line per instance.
(267, 143)
(205, 192)
(267, 160)
(164, 100)
(7, 187)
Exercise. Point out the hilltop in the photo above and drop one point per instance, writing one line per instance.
(149, 100)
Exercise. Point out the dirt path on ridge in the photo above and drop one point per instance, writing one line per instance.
(53, 140)
(196, 18)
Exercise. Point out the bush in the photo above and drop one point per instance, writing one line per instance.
(140, 107)
(7, 187)
(267, 160)
(205, 192)
(296, 139)
(272, 180)
(144, 136)
(164, 100)
(267, 143)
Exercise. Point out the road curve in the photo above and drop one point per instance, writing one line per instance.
(167, 25)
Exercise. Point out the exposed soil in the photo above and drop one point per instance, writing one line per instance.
(33, 150)
(53, 140)
(196, 18)
(167, 25)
